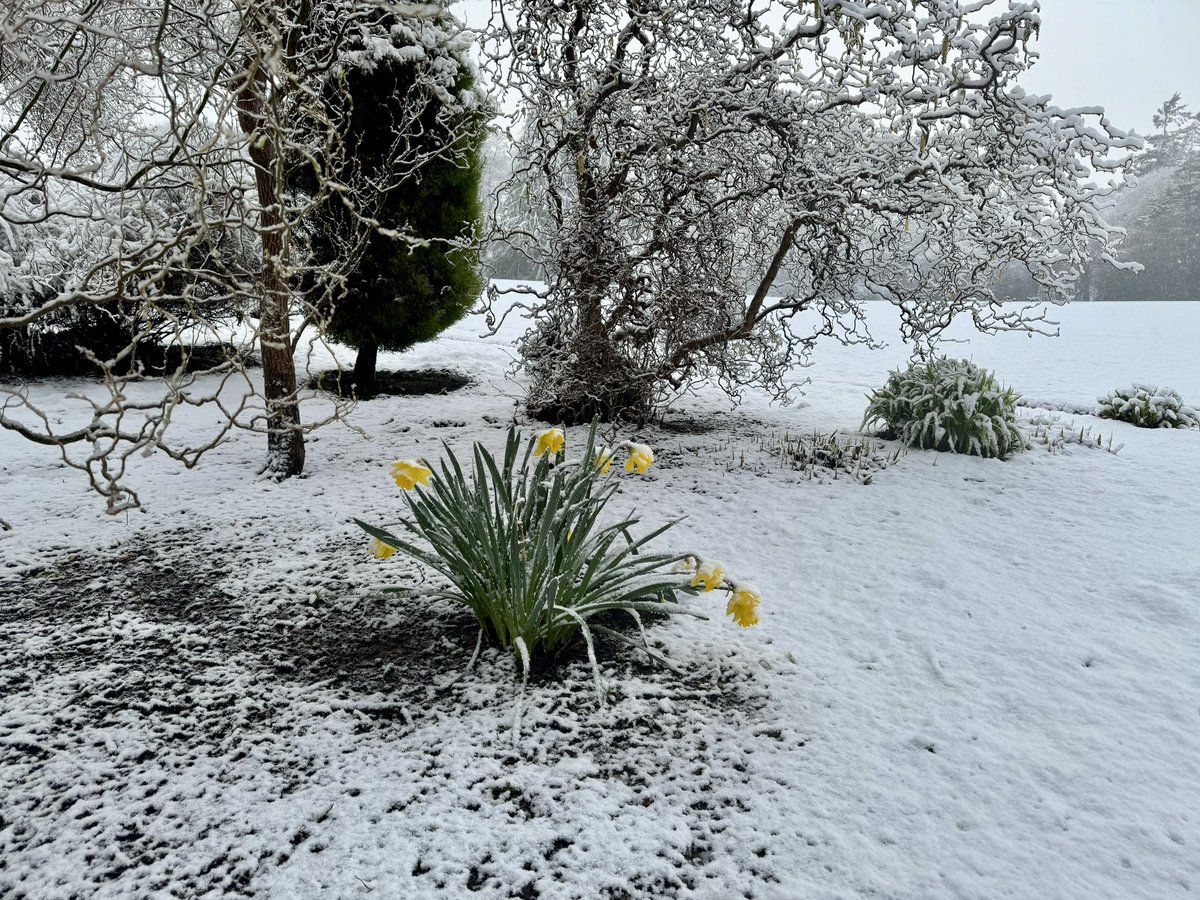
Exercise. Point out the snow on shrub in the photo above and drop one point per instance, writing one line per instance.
(947, 404)
(524, 547)
(1148, 407)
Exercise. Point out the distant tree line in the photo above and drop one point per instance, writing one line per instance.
(1162, 215)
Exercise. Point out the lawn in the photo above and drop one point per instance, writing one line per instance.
(972, 678)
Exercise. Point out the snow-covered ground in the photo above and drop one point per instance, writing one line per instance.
(972, 678)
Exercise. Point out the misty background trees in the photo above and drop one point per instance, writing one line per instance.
(1161, 214)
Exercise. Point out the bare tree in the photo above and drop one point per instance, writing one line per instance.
(727, 181)
(144, 149)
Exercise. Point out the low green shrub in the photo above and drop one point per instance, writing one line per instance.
(947, 404)
(1147, 406)
(524, 544)
(63, 343)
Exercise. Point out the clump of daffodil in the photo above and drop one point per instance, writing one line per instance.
(743, 605)
(549, 441)
(409, 473)
(640, 458)
(380, 550)
(524, 542)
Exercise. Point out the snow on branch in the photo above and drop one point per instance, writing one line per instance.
(716, 185)
(148, 160)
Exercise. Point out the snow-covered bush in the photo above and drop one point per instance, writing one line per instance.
(523, 544)
(1147, 406)
(947, 404)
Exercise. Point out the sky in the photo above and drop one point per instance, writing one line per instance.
(1125, 55)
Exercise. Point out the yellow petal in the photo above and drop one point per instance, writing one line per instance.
(549, 441)
(709, 576)
(743, 606)
(640, 458)
(380, 550)
(408, 473)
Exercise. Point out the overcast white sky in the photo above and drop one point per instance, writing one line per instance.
(1125, 55)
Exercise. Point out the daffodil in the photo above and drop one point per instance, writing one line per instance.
(380, 550)
(409, 473)
(708, 576)
(549, 441)
(604, 459)
(641, 458)
(743, 605)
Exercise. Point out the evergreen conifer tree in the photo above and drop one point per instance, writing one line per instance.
(418, 273)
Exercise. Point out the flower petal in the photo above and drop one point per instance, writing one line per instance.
(409, 472)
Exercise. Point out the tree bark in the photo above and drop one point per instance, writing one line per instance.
(364, 369)
(285, 440)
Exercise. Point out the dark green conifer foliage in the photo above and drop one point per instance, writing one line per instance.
(392, 295)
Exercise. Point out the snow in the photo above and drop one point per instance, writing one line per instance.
(971, 677)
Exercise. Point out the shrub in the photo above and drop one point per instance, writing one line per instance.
(1148, 407)
(523, 544)
(947, 404)
(63, 342)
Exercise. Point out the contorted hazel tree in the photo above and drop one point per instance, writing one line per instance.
(726, 181)
(143, 151)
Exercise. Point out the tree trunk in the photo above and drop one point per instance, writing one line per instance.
(364, 369)
(285, 440)
(589, 378)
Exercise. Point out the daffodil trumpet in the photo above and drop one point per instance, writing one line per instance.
(408, 473)
(640, 458)
(744, 600)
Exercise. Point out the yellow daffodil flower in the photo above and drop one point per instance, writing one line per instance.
(549, 441)
(708, 576)
(641, 458)
(380, 550)
(743, 605)
(685, 565)
(604, 459)
(409, 473)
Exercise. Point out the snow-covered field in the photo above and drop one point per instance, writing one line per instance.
(972, 678)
